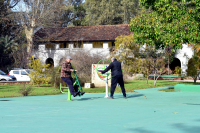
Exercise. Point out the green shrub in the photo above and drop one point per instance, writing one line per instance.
(178, 70)
(25, 90)
(55, 77)
(40, 73)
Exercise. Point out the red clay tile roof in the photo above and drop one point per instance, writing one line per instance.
(83, 33)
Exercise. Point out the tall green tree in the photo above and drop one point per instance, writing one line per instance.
(73, 13)
(7, 44)
(171, 23)
(127, 52)
(193, 69)
(6, 20)
(7, 32)
(108, 12)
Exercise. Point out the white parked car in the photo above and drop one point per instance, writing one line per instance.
(21, 74)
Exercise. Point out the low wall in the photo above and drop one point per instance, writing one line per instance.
(13, 82)
(187, 88)
(166, 78)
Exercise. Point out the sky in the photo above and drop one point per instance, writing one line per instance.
(20, 7)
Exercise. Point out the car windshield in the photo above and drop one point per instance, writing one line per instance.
(28, 71)
(2, 73)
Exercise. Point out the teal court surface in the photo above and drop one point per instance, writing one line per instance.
(148, 111)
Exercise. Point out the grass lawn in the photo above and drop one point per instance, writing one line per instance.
(13, 90)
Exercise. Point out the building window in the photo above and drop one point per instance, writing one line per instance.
(49, 46)
(111, 44)
(78, 45)
(97, 44)
(63, 45)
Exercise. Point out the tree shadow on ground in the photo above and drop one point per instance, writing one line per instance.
(134, 95)
(5, 100)
(83, 99)
(191, 104)
(129, 96)
(94, 98)
(183, 127)
(141, 130)
(187, 129)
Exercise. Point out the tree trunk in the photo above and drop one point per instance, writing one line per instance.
(156, 80)
(29, 36)
(147, 76)
(168, 65)
(195, 79)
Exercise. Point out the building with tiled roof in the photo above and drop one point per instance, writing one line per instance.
(55, 43)
(83, 33)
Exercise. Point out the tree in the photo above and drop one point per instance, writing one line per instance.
(109, 12)
(39, 74)
(36, 13)
(7, 32)
(145, 67)
(169, 56)
(6, 18)
(136, 59)
(19, 54)
(152, 61)
(7, 44)
(171, 23)
(146, 61)
(158, 67)
(73, 13)
(127, 52)
(193, 69)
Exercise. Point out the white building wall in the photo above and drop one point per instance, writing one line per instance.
(59, 53)
(184, 55)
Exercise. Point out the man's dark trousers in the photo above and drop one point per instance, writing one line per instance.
(115, 80)
(70, 82)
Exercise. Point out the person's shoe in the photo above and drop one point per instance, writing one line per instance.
(82, 93)
(75, 94)
(79, 93)
(124, 97)
(110, 98)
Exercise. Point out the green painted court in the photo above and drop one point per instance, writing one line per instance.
(148, 111)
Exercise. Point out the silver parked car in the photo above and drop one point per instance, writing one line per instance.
(5, 77)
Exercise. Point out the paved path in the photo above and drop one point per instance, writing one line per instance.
(148, 111)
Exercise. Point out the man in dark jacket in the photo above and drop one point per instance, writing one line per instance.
(117, 77)
(66, 70)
